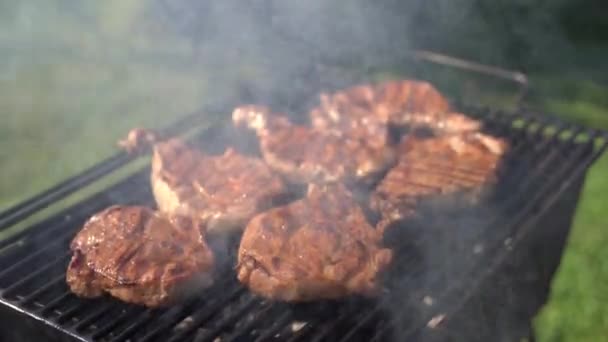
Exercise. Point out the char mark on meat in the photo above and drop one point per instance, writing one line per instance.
(139, 256)
(222, 192)
(319, 247)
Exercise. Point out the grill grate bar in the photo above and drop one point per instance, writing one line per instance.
(87, 320)
(223, 323)
(227, 321)
(62, 239)
(69, 313)
(276, 326)
(32, 296)
(107, 328)
(8, 292)
(260, 315)
(134, 183)
(206, 312)
(199, 316)
(131, 329)
(24, 210)
(170, 318)
(54, 303)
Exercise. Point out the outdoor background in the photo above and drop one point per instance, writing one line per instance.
(76, 75)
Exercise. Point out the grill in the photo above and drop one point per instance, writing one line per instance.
(462, 271)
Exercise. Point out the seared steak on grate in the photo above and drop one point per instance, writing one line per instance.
(319, 247)
(435, 166)
(306, 155)
(139, 256)
(222, 192)
(364, 109)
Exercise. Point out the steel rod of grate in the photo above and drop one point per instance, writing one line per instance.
(25, 209)
(512, 200)
(260, 315)
(54, 303)
(523, 215)
(135, 324)
(108, 327)
(32, 296)
(237, 311)
(169, 317)
(69, 313)
(18, 265)
(61, 238)
(95, 315)
(86, 205)
(205, 313)
(202, 314)
(276, 326)
(304, 331)
(525, 227)
(225, 322)
(8, 292)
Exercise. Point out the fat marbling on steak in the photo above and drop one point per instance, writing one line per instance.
(304, 155)
(139, 256)
(319, 247)
(221, 191)
(437, 166)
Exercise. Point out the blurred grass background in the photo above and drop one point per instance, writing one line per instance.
(75, 77)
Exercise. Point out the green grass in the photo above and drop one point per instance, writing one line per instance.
(62, 117)
(576, 310)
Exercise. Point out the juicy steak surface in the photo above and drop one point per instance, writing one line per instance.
(308, 155)
(222, 192)
(139, 256)
(319, 247)
(435, 166)
(364, 110)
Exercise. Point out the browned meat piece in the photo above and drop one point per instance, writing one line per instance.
(306, 155)
(435, 166)
(366, 109)
(139, 256)
(319, 247)
(222, 192)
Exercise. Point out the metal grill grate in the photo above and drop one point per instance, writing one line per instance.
(425, 285)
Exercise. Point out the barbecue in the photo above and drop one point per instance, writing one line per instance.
(221, 192)
(446, 261)
(139, 256)
(319, 247)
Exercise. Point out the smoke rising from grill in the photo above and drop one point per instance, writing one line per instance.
(292, 49)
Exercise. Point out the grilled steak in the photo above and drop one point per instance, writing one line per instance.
(434, 166)
(319, 247)
(139, 256)
(221, 192)
(306, 155)
(363, 110)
